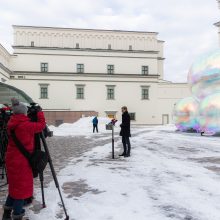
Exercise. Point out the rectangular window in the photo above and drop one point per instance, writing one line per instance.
(110, 69)
(44, 67)
(110, 92)
(145, 93)
(44, 92)
(79, 92)
(145, 70)
(77, 45)
(132, 116)
(130, 47)
(32, 43)
(109, 46)
(80, 68)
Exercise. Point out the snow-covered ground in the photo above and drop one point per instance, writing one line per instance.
(82, 127)
(170, 175)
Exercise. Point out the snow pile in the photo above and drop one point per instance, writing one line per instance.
(83, 127)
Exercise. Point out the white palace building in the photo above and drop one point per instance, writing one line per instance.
(73, 73)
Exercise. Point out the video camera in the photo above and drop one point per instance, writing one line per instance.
(33, 109)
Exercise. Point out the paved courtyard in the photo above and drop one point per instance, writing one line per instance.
(63, 150)
(171, 175)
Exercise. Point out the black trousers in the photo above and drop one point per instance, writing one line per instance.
(95, 127)
(126, 145)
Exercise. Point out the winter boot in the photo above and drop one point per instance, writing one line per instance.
(121, 155)
(7, 213)
(18, 217)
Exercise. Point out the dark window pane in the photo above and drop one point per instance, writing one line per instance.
(43, 92)
(145, 70)
(80, 68)
(110, 93)
(145, 93)
(79, 93)
(44, 67)
(110, 69)
(132, 116)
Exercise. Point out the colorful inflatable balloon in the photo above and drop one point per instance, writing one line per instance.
(209, 114)
(185, 114)
(204, 75)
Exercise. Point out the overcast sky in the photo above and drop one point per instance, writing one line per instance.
(186, 26)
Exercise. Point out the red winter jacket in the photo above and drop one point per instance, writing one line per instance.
(20, 177)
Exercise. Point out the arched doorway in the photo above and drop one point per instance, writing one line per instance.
(7, 92)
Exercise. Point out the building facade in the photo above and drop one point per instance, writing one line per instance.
(79, 72)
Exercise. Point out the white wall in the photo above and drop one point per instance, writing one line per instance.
(95, 39)
(62, 80)
(62, 96)
(93, 63)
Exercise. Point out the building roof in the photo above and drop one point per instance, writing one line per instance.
(84, 29)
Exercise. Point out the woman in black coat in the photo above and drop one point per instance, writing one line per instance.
(125, 132)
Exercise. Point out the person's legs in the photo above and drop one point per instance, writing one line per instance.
(129, 146)
(8, 208)
(18, 211)
(93, 128)
(9, 201)
(97, 129)
(124, 146)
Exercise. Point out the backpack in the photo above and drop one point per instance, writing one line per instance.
(38, 159)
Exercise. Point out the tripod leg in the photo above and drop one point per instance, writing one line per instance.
(41, 177)
(53, 173)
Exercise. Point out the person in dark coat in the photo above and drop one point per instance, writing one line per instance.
(19, 172)
(125, 132)
(95, 122)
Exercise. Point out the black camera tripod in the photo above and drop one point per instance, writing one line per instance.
(40, 138)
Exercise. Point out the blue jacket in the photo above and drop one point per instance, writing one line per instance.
(95, 121)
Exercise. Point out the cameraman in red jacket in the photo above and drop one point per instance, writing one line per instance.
(19, 172)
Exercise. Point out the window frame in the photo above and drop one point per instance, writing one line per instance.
(44, 67)
(80, 68)
(42, 93)
(134, 114)
(110, 92)
(145, 70)
(110, 69)
(80, 95)
(144, 95)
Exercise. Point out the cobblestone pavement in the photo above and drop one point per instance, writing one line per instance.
(62, 150)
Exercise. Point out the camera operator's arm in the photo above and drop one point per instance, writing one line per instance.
(38, 126)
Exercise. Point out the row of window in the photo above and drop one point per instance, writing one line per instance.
(81, 67)
(80, 92)
(77, 46)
